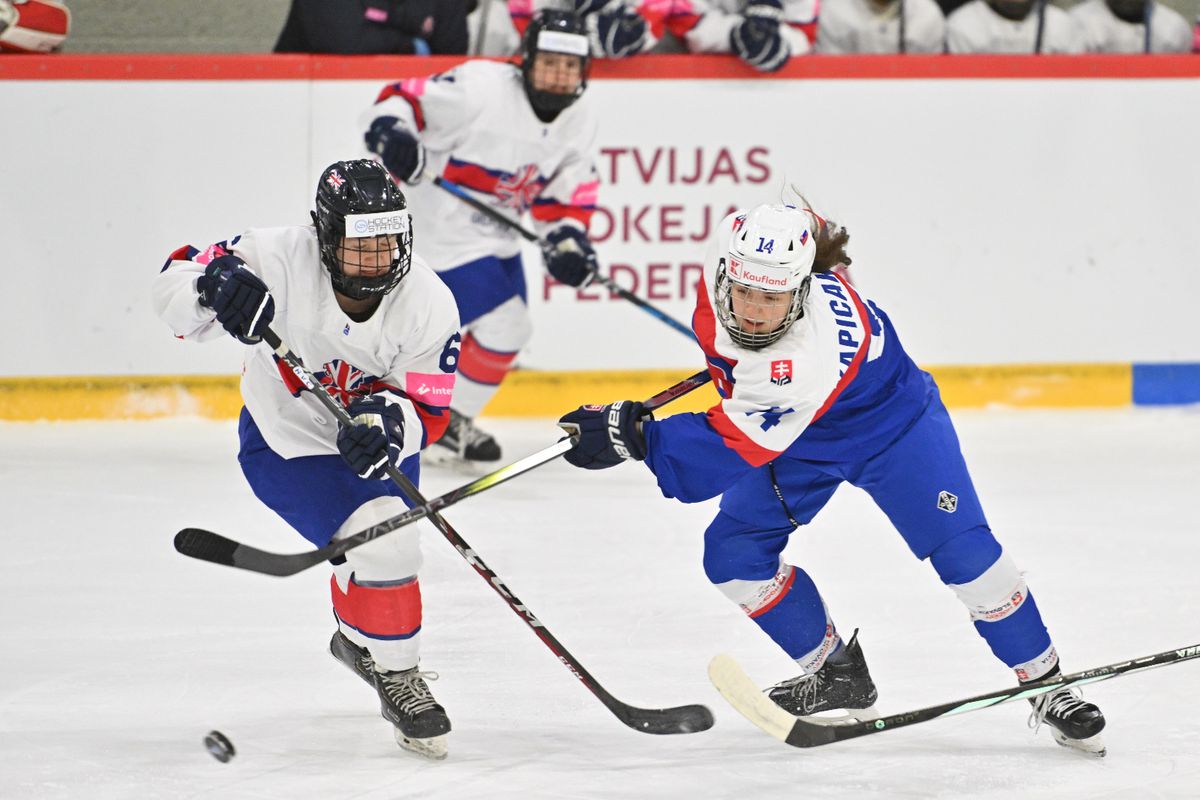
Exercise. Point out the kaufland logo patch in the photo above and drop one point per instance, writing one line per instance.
(781, 372)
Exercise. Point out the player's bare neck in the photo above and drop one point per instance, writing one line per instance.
(357, 310)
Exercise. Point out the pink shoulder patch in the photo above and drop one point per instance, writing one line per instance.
(432, 390)
(586, 194)
(213, 251)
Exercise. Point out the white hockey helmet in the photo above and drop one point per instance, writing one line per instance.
(771, 251)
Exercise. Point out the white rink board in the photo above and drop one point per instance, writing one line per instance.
(998, 221)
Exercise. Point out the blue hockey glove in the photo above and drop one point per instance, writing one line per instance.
(243, 304)
(400, 151)
(619, 33)
(376, 438)
(605, 436)
(569, 256)
(757, 39)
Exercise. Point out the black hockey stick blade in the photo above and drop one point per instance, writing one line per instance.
(208, 546)
(665, 721)
(736, 686)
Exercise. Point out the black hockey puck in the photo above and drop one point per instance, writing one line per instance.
(219, 745)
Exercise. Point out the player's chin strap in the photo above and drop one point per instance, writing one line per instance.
(528, 235)
(211, 547)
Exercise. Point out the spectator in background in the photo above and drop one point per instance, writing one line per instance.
(881, 26)
(1012, 26)
(33, 26)
(1131, 26)
(763, 33)
(349, 27)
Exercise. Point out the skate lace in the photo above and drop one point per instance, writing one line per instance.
(409, 691)
(1062, 703)
(805, 689)
(464, 432)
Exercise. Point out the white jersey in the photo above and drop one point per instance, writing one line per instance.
(480, 132)
(406, 350)
(1105, 32)
(860, 26)
(976, 28)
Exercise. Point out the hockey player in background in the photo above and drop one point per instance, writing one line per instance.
(1131, 26)
(345, 293)
(521, 138)
(817, 390)
(1012, 26)
(762, 33)
(876, 26)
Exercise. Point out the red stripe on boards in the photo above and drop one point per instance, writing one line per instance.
(270, 66)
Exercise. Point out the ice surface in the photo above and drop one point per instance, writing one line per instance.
(119, 655)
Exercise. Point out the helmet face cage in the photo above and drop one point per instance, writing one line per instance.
(742, 327)
(364, 265)
(554, 31)
(763, 280)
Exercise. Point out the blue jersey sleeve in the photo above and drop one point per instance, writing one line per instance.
(690, 459)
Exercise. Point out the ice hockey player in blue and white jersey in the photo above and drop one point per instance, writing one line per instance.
(520, 138)
(817, 391)
(377, 327)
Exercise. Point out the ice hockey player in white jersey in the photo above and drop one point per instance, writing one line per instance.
(520, 138)
(1131, 26)
(1012, 26)
(816, 390)
(377, 327)
(881, 26)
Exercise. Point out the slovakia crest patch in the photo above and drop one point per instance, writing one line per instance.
(781, 372)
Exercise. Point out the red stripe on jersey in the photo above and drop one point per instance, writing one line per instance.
(855, 362)
(435, 420)
(383, 612)
(479, 364)
(549, 211)
(736, 439)
(398, 90)
(782, 593)
(809, 29)
(471, 176)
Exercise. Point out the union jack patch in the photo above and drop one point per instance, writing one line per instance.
(334, 179)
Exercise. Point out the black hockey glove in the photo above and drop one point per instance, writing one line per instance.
(605, 436)
(243, 304)
(400, 151)
(376, 438)
(757, 39)
(569, 256)
(619, 33)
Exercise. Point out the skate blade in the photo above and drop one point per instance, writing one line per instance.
(1092, 746)
(842, 716)
(435, 747)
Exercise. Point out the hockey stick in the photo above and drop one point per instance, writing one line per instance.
(213, 547)
(528, 235)
(741, 692)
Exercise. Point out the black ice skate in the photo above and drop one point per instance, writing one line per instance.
(842, 683)
(1073, 721)
(466, 442)
(406, 702)
(354, 657)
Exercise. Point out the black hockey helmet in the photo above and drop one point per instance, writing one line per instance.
(554, 31)
(358, 200)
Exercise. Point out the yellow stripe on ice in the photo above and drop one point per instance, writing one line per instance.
(529, 393)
